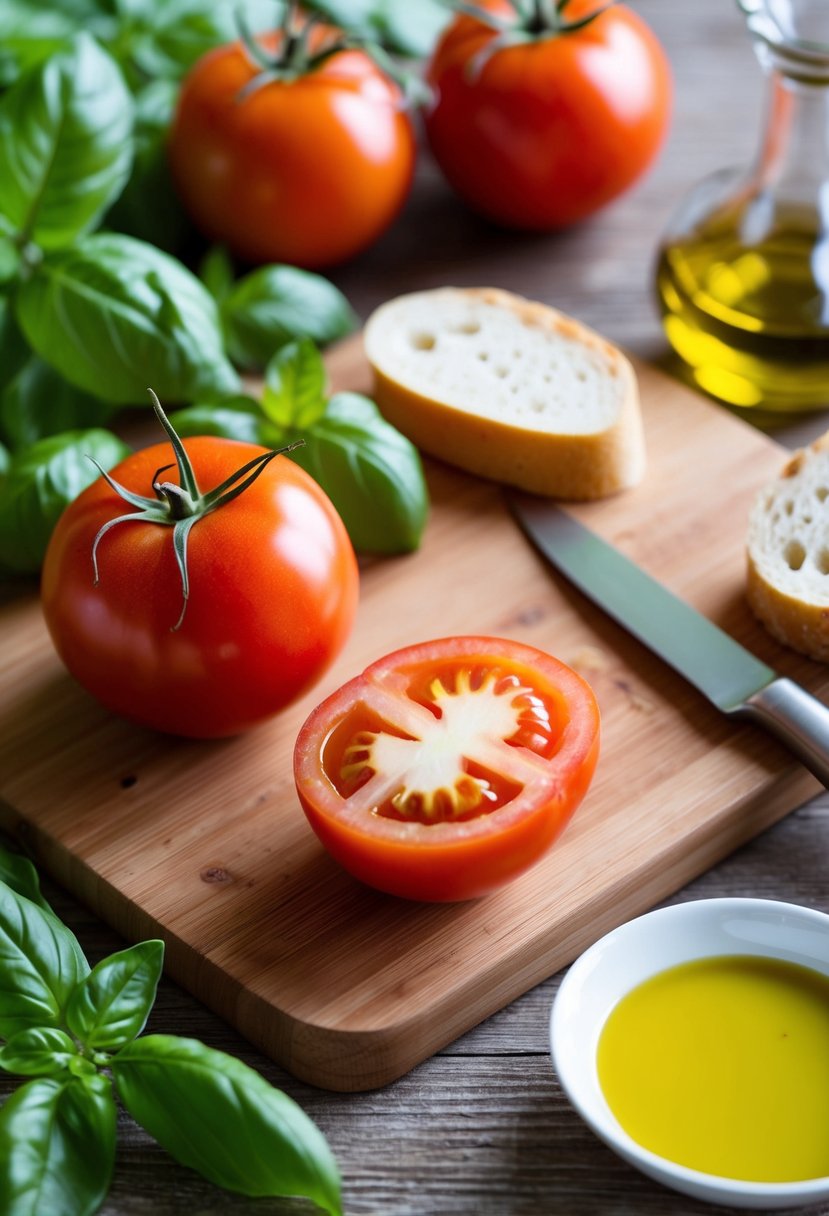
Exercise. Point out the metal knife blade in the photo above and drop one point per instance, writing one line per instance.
(723, 670)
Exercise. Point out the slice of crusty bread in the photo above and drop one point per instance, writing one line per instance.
(508, 389)
(788, 553)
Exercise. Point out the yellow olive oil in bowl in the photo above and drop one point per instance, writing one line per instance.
(694, 1040)
(722, 1065)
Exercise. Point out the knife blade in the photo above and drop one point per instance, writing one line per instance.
(732, 678)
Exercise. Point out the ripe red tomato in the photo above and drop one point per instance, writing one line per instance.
(542, 132)
(273, 592)
(308, 170)
(448, 768)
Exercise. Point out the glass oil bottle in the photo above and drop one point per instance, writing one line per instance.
(743, 271)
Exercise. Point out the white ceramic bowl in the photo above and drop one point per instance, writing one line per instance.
(634, 952)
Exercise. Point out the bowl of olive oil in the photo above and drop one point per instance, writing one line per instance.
(694, 1041)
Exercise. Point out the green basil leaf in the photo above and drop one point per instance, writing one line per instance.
(57, 1148)
(5, 463)
(42, 1051)
(111, 1006)
(14, 349)
(404, 29)
(41, 962)
(218, 1116)
(295, 379)
(277, 304)
(38, 403)
(115, 315)
(17, 872)
(42, 480)
(372, 474)
(163, 222)
(239, 418)
(216, 272)
(65, 144)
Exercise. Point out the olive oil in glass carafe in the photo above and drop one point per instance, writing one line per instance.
(743, 271)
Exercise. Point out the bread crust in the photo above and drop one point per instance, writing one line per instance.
(570, 466)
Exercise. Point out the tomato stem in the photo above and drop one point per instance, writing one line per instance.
(180, 505)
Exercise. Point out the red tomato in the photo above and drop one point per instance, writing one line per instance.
(447, 768)
(273, 592)
(308, 171)
(543, 132)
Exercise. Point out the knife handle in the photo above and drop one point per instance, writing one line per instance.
(796, 718)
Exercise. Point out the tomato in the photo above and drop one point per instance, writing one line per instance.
(272, 594)
(540, 132)
(308, 169)
(447, 768)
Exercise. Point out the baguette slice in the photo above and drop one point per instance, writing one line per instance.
(788, 553)
(508, 389)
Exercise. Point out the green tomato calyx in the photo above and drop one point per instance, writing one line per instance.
(530, 21)
(179, 505)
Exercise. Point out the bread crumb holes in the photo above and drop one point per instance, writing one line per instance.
(423, 341)
(794, 555)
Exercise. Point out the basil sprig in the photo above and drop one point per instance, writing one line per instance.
(75, 1032)
(372, 473)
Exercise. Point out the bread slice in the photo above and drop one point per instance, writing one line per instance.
(788, 553)
(508, 389)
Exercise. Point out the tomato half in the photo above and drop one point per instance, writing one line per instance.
(447, 768)
(307, 170)
(272, 596)
(542, 131)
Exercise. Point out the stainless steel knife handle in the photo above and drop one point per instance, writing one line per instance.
(798, 719)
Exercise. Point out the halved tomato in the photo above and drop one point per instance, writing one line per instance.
(447, 768)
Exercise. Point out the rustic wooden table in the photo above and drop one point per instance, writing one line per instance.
(483, 1128)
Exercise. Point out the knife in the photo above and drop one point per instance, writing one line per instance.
(723, 670)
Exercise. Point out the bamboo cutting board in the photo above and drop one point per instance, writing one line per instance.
(204, 844)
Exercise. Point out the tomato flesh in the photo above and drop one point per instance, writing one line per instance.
(448, 768)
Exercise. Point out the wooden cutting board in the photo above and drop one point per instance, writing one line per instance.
(204, 844)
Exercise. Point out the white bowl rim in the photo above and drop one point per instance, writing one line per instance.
(609, 1130)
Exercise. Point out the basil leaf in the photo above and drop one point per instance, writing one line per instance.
(163, 223)
(43, 1051)
(371, 473)
(111, 1006)
(218, 1116)
(57, 1148)
(404, 29)
(42, 480)
(239, 418)
(276, 304)
(5, 463)
(294, 393)
(14, 349)
(65, 145)
(115, 315)
(18, 873)
(216, 272)
(40, 964)
(39, 403)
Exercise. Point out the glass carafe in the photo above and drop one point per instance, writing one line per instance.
(743, 271)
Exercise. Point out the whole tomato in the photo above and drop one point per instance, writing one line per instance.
(306, 162)
(544, 118)
(267, 602)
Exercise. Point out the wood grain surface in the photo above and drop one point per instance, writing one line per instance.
(204, 845)
(482, 1129)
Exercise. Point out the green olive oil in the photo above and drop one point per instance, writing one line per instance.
(751, 321)
(722, 1065)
